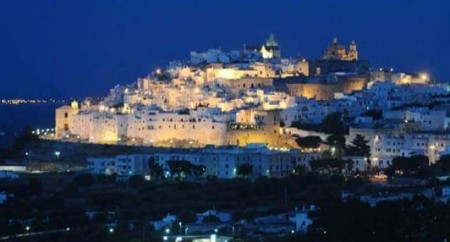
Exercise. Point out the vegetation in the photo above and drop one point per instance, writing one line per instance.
(376, 114)
(198, 170)
(244, 170)
(331, 165)
(359, 147)
(211, 219)
(156, 170)
(18, 148)
(408, 165)
(309, 142)
(180, 168)
(442, 166)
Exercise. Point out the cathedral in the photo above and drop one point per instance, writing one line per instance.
(271, 49)
(339, 52)
(268, 50)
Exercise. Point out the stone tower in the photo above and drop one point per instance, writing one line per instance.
(352, 52)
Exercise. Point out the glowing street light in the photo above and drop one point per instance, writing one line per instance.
(57, 154)
(27, 228)
(111, 230)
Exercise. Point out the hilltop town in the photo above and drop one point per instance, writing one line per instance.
(255, 100)
(240, 145)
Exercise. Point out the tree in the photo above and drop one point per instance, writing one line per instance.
(359, 147)
(330, 165)
(333, 124)
(442, 166)
(300, 169)
(17, 150)
(374, 113)
(409, 165)
(180, 167)
(337, 143)
(244, 170)
(211, 219)
(311, 142)
(198, 170)
(155, 169)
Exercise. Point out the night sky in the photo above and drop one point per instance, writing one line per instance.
(77, 48)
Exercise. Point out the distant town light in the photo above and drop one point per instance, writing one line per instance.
(424, 76)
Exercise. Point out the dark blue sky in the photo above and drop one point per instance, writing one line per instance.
(79, 48)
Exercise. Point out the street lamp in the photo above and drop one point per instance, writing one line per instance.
(181, 226)
(111, 230)
(27, 228)
(57, 154)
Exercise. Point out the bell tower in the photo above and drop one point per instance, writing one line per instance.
(352, 52)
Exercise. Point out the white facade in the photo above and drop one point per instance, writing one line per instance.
(125, 165)
(222, 163)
